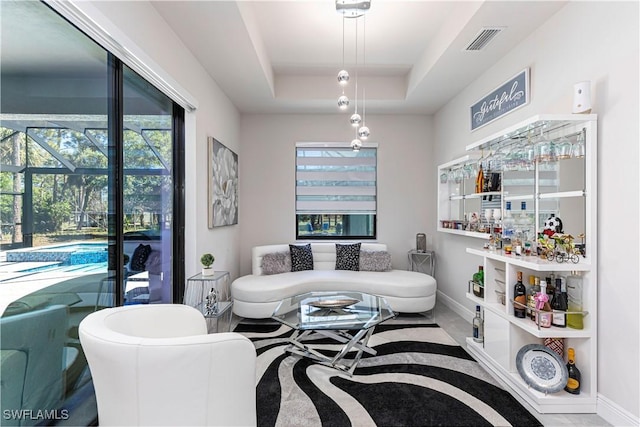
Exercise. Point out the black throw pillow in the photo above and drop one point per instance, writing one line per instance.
(348, 257)
(139, 257)
(301, 257)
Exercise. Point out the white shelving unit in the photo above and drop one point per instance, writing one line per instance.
(572, 195)
(455, 199)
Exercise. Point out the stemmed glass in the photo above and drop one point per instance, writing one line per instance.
(545, 149)
(578, 148)
(563, 148)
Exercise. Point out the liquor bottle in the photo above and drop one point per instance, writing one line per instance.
(559, 305)
(534, 288)
(516, 242)
(574, 296)
(478, 282)
(478, 277)
(573, 383)
(520, 297)
(479, 180)
(544, 309)
(478, 326)
(551, 287)
(508, 223)
(524, 222)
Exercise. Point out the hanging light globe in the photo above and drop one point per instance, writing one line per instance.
(356, 144)
(363, 132)
(343, 102)
(355, 120)
(343, 77)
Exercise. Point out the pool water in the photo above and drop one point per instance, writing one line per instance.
(72, 254)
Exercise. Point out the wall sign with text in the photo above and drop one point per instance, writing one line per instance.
(508, 97)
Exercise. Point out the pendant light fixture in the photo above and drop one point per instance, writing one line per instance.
(354, 9)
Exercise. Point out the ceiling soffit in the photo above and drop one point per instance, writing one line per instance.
(282, 56)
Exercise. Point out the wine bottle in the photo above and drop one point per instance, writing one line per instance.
(573, 383)
(559, 305)
(574, 296)
(520, 297)
(478, 326)
(543, 306)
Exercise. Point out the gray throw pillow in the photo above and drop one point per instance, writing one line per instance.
(276, 263)
(375, 261)
(348, 257)
(301, 257)
(154, 262)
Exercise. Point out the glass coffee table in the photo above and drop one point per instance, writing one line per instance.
(346, 317)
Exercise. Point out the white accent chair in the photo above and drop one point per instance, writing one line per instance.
(156, 365)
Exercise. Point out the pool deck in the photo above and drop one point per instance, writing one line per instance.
(21, 278)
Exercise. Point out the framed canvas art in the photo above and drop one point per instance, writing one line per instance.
(223, 184)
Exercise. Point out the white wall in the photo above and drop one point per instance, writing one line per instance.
(216, 116)
(267, 176)
(595, 41)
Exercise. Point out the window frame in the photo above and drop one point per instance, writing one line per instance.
(333, 237)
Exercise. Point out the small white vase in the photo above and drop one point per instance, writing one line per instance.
(208, 271)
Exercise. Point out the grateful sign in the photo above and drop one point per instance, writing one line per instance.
(508, 97)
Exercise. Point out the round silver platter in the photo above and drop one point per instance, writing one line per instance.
(542, 368)
(334, 303)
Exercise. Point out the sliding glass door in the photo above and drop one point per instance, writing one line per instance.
(90, 157)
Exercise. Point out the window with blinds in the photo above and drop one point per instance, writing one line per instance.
(335, 192)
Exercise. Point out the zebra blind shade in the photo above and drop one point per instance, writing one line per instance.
(335, 180)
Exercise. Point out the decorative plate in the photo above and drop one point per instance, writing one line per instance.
(333, 303)
(542, 368)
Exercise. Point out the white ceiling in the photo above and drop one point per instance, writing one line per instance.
(283, 56)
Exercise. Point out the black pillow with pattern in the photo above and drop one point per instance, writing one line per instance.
(301, 257)
(139, 257)
(348, 257)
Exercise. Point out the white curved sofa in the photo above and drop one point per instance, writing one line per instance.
(257, 295)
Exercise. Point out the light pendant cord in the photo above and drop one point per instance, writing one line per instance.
(364, 61)
(356, 65)
(343, 18)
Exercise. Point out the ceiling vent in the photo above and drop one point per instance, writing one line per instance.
(483, 38)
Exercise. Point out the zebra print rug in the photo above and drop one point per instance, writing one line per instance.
(419, 377)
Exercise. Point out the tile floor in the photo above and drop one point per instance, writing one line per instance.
(459, 329)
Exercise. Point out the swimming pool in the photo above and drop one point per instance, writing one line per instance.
(70, 254)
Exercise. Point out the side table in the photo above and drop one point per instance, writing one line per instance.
(424, 262)
(198, 288)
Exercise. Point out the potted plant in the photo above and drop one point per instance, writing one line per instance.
(207, 260)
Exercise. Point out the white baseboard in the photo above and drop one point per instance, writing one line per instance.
(454, 305)
(614, 414)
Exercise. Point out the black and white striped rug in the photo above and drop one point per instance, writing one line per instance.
(419, 377)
